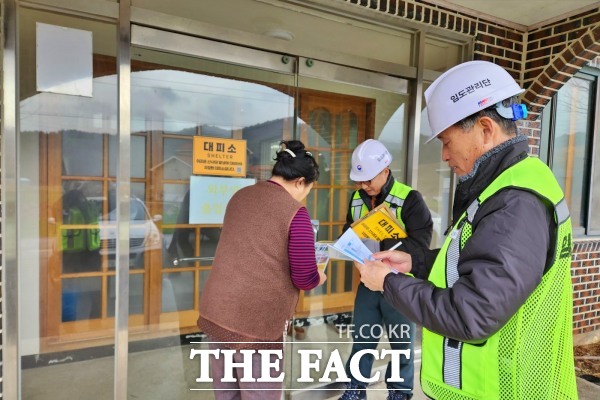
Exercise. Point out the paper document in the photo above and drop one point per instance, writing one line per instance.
(350, 245)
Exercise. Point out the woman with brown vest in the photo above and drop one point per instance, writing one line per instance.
(265, 256)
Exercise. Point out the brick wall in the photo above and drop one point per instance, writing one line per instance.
(585, 271)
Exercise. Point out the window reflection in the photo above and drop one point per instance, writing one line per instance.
(571, 137)
(77, 162)
(186, 103)
(434, 180)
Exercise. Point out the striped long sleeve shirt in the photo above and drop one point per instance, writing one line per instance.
(301, 250)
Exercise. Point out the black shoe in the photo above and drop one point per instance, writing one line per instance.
(354, 392)
(394, 394)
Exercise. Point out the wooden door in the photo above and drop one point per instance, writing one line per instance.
(331, 126)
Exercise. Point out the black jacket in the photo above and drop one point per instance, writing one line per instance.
(500, 265)
(415, 215)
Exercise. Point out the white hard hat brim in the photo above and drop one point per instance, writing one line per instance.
(363, 177)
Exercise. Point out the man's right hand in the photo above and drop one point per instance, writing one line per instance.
(397, 260)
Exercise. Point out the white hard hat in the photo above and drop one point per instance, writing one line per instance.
(464, 90)
(369, 159)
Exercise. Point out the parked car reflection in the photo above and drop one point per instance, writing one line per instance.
(143, 234)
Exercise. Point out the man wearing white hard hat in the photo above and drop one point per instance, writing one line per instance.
(497, 306)
(372, 314)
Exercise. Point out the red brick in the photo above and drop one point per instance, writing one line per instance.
(443, 20)
(577, 48)
(420, 16)
(548, 92)
(536, 87)
(559, 64)
(539, 53)
(469, 27)
(592, 19)
(451, 22)
(494, 50)
(541, 34)
(507, 44)
(534, 73)
(516, 36)
(482, 37)
(588, 39)
(513, 55)
(541, 62)
(567, 26)
(483, 57)
(553, 40)
(504, 63)
(575, 35)
(533, 45)
(497, 31)
(553, 73)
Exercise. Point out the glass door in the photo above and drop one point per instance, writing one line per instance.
(175, 98)
(67, 135)
(212, 91)
(184, 88)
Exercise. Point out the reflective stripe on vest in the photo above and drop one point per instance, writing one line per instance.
(562, 212)
(357, 205)
(541, 327)
(394, 199)
(452, 351)
(454, 248)
(452, 348)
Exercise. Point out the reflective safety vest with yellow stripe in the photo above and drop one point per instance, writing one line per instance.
(394, 200)
(531, 357)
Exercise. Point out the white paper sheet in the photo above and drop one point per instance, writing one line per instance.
(351, 245)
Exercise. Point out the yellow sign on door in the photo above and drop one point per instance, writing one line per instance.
(217, 156)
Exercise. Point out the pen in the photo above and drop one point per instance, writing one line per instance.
(394, 247)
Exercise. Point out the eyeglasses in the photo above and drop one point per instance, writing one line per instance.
(368, 183)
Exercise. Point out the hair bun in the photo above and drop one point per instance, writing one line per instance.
(295, 146)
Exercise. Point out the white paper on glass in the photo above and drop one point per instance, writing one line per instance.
(64, 62)
(209, 197)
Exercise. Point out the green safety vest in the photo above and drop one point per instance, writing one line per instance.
(82, 238)
(531, 357)
(394, 200)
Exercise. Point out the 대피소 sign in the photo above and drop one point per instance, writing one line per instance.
(218, 156)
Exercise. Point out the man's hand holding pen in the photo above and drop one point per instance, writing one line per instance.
(373, 272)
